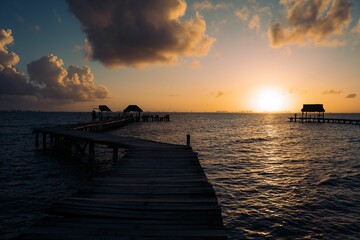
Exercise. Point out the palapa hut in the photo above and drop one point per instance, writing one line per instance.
(103, 108)
(133, 108)
(318, 108)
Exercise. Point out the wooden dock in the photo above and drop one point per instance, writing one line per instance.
(324, 120)
(155, 191)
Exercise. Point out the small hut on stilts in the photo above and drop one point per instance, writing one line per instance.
(133, 109)
(318, 108)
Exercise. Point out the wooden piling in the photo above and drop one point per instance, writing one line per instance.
(91, 151)
(37, 139)
(115, 154)
(44, 141)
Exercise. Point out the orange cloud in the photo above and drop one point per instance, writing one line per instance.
(313, 21)
(255, 22)
(140, 33)
(331, 91)
(242, 13)
(207, 5)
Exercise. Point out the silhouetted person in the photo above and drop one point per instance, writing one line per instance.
(93, 114)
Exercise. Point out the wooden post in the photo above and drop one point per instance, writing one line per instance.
(44, 141)
(188, 139)
(91, 151)
(115, 154)
(37, 140)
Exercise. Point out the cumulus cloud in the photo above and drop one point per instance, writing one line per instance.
(75, 83)
(313, 21)
(356, 29)
(47, 78)
(255, 22)
(207, 5)
(242, 13)
(351, 95)
(331, 91)
(142, 32)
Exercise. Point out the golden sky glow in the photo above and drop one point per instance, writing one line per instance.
(200, 56)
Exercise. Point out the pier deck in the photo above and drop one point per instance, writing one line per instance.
(324, 120)
(155, 191)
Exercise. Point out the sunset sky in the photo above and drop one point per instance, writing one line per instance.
(173, 55)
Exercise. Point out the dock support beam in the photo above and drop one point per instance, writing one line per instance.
(115, 154)
(37, 140)
(91, 151)
(44, 141)
(188, 139)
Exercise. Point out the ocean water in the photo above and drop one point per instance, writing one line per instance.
(273, 179)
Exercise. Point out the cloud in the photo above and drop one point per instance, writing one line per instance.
(86, 48)
(48, 80)
(195, 64)
(207, 5)
(255, 22)
(142, 32)
(75, 83)
(218, 94)
(57, 16)
(331, 91)
(242, 13)
(351, 95)
(313, 21)
(35, 28)
(356, 29)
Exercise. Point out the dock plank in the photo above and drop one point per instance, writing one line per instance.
(155, 191)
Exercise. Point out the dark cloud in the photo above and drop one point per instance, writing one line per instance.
(218, 94)
(351, 95)
(331, 91)
(141, 32)
(312, 21)
(48, 80)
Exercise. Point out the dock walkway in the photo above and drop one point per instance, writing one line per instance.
(324, 120)
(155, 191)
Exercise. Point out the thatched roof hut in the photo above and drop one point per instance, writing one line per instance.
(104, 108)
(133, 108)
(318, 108)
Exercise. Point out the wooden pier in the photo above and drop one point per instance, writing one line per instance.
(155, 191)
(324, 120)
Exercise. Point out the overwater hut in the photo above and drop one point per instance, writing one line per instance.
(310, 108)
(103, 108)
(133, 109)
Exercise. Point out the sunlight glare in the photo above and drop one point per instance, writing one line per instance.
(269, 100)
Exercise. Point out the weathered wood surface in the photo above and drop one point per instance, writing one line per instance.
(156, 191)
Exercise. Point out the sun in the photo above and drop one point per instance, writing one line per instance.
(269, 100)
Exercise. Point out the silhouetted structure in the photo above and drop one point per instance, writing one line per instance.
(133, 108)
(318, 108)
(103, 108)
(319, 118)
